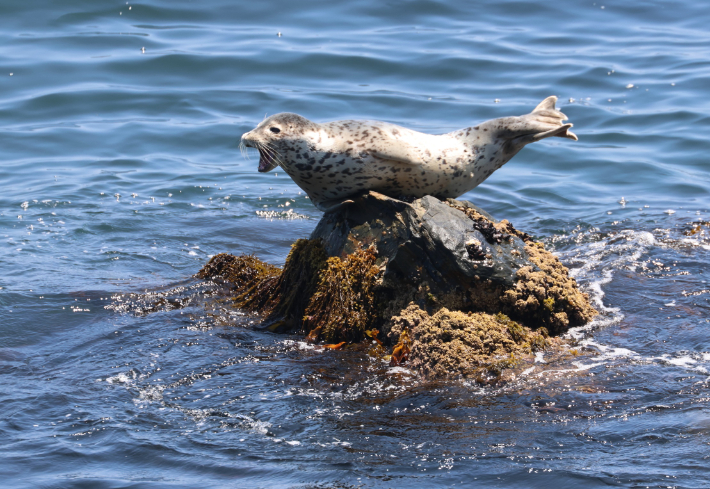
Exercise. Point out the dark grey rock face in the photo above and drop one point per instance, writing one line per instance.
(427, 239)
(430, 252)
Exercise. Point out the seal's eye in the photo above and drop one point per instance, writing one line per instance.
(275, 130)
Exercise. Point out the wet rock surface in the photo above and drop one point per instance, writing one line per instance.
(453, 291)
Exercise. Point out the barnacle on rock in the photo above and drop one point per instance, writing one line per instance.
(548, 297)
(454, 343)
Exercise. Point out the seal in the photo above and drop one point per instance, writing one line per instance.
(333, 161)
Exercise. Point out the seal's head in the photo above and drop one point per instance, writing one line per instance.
(277, 135)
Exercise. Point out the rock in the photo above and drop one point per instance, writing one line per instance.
(453, 254)
(378, 262)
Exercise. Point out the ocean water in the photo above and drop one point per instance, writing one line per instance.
(120, 174)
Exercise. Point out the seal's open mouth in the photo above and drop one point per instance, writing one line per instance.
(266, 160)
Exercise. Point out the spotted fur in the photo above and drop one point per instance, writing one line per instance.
(336, 160)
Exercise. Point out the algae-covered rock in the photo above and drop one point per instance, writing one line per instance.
(279, 295)
(252, 281)
(455, 291)
(342, 307)
(452, 254)
(454, 343)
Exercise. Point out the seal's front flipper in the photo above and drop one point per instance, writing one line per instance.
(399, 151)
(333, 205)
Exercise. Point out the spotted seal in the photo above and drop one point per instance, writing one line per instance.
(336, 160)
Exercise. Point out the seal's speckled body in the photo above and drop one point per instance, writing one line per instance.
(336, 160)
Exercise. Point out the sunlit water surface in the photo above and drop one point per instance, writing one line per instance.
(121, 173)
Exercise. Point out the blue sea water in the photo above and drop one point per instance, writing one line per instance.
(120, 173)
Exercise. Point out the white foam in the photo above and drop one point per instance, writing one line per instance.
(288, 214)
(594, 265)
(527, 371)
(302, 345)
(399, 370)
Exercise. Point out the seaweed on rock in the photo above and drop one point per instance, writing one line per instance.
(547, 297)
(252, 280)
(342, 307)
(279, 295)
(298, 282)
(543, 294)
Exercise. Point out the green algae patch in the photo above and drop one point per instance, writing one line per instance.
(457, 344)
(343, 305)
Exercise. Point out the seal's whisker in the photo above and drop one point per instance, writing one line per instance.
(245, 151)
(271, 152)
(263, 150)
(274, 153)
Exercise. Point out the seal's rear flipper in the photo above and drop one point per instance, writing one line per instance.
(546, 114)
(561, 132)
(543, 122)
